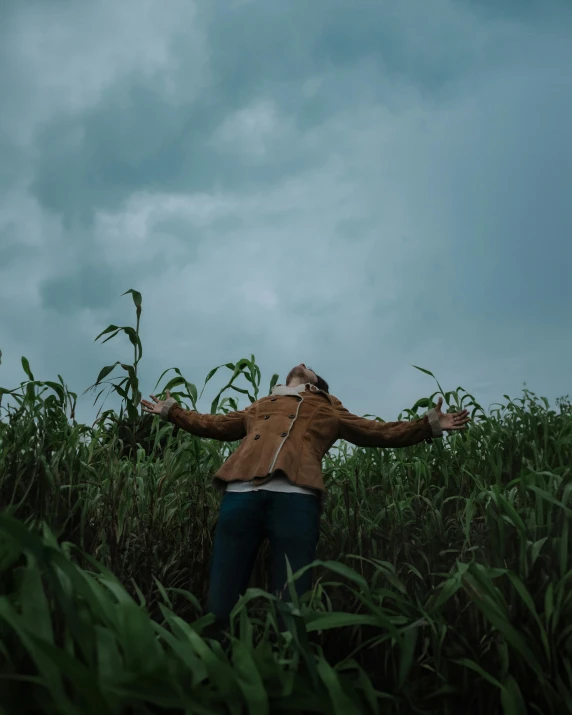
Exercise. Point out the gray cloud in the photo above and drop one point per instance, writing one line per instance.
(89, 287)
(359, 186)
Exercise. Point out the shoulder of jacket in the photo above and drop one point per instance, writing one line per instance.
(322, 395)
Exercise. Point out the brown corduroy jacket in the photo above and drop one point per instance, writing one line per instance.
(290, 434)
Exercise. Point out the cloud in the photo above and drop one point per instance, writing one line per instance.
(360, 187)
(63, 57)
(248, 131)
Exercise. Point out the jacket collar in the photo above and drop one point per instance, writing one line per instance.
(299, 389)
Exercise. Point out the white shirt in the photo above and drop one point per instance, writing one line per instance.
(277, 483)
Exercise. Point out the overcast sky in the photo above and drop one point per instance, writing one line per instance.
(356, 185)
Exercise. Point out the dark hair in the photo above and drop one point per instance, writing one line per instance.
(321, 384)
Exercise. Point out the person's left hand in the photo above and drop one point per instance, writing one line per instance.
(452, 420)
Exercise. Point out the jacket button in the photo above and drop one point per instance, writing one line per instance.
(272, 399)
(256, 436)
(266, 417)
(284, 434)
(291, 416)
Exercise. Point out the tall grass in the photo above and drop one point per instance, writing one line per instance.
(443, 585)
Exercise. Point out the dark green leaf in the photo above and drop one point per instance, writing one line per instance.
(105, 372)
(26, 366)
(109, 329)
(137, 299)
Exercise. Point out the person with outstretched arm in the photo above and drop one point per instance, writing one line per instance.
(273, 484)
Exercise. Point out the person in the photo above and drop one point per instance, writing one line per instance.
(273, 484)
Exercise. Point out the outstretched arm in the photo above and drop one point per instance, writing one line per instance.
(226, 428)
(370, 433)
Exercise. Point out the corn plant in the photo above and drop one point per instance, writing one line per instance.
(442, 583)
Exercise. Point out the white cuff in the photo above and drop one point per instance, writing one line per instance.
(164, 414)
(436, 428)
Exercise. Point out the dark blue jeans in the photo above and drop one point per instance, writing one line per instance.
(290, 521)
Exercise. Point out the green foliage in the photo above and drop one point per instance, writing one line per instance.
(128, 387)
(443, 584)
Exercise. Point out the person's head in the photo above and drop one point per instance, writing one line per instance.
(301, 374)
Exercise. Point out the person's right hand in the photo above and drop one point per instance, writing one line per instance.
(154, 409)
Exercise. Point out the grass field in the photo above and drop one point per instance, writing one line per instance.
(444, 581)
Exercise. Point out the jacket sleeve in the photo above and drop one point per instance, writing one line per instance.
(226, 428)
(371, 433)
